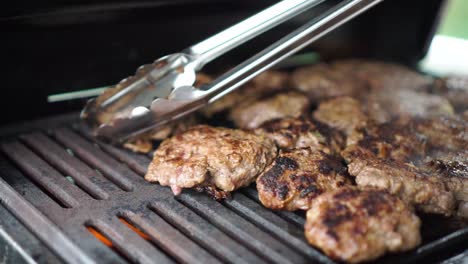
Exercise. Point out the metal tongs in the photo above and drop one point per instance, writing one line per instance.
(163, 91)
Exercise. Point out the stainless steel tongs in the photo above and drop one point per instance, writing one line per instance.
(163, 91)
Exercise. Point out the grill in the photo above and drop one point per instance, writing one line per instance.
(68, 198)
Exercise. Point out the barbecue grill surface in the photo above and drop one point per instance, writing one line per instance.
(60, 186)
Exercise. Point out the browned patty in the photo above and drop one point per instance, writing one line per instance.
(321, 81)
(297, 177)
(291, 133)
(144, 143)
(426, 192)
(209, 157)
(360, 225)
(397, 140)
(264, 84)
(250, 115)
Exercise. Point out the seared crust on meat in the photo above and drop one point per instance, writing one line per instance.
(359, 225)
(207, 156)
(250, 115)
(397, 140)
(449, 133)
(297, 177)
(292, 133)
(426, 192)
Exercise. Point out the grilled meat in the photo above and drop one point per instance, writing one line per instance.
(455, 89)
(445, 133)
(144, 144)
(297, 177)
(397, 140)
(343, 113)
(264, 84)
(251, 115)
(321, 81)
(360, 225)
(386, 104)
(384, 75)
(291, 133)
(426, 192)
(207, 157)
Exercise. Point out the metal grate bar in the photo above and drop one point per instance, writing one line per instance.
(203, 232)
(114, 171)
(85, 177)
(43, 174)
(41, 226)
(26, 188)
(280, 228)
(129, 243)
(169, 238)
(263, 243)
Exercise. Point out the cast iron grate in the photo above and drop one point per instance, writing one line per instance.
(69, 190)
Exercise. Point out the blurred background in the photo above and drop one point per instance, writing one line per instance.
(56, 54)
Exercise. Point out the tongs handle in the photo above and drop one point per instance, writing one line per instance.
(286, 46)
(241, 32)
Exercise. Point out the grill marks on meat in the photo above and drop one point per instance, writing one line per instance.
(298, 176)
(396, 140)
(250, 115)
(360, 225)
(208, 157)
(427, 193)
(293, 133)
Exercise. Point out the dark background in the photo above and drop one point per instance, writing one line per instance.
(50, 47)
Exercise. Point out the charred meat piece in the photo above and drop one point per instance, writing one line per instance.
(322, 81)
(250, 115)
(354, 225)
(397, 140)
(206, 157)
(344, 114)
(291, 133)
(297, 177)
(453, 171)
(426, 192)
(449, 133)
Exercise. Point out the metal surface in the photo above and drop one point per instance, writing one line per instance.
(164, 91)
(60, 183)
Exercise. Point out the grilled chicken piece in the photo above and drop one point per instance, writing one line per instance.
(297, 177)
(211, 159)
(360, 225)
(250, 115)
(321, 81)
(291, 133)
(426, 192)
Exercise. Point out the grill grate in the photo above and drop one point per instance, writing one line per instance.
(66, 189)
